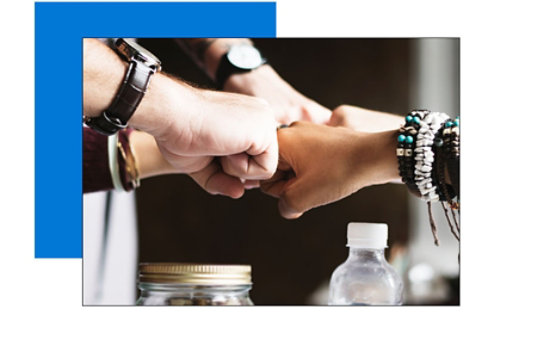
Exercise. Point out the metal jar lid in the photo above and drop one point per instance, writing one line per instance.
(195, 274)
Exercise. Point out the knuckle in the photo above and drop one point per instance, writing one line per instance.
(342, 109)
(337, 119)
(261, 105)
(339, 116)
(265, 171)
(227, 167)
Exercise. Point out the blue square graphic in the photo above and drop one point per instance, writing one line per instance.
(59, 29)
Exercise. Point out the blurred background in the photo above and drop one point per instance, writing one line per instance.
(292, 261)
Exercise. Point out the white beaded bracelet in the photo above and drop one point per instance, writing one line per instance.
(429, 124)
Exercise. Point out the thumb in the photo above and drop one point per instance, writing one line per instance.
(291, 203)
(279, 186)
(317, 113)
(215, 181)
(341, 116)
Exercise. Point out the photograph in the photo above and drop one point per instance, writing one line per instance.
(269, 174)
(271, 171)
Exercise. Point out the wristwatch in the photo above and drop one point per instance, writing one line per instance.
(142, 65)
(241, 58)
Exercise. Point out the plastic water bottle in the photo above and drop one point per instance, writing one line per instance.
(366, 278)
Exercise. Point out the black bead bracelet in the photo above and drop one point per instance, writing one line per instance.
(405, 152)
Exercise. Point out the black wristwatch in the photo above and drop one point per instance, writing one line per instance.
(142, 65)
(239, 59)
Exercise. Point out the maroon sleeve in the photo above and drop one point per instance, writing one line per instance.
(95, 171)
(95, 168)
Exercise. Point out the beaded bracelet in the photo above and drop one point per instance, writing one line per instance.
(444, 190)
(451, 154)
(416, 158)
(405, 151)
(446, 139)
(452, 151)
(429, 125)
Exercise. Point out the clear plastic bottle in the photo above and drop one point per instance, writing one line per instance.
(366, 278)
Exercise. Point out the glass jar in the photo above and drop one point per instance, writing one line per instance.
(194, 284)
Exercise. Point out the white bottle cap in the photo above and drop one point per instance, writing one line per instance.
(367, 235)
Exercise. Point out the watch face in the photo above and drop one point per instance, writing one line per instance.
(245, 57)
(130, 48)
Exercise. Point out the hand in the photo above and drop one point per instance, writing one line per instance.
(187, 122)
(364, 120)
(215, 181)
(151, 162)
(320, 164)
(288, 105)
(202, 169)
(191, 126)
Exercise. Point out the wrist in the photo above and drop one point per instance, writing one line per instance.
(148, 157)
(215, 52)
(166, 102)
(375, 159)
(251, 82)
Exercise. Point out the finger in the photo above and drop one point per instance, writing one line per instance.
(215, 181)
(289, 204)
(317, 114)
(256, 167)
(266, 161)
(283, 165)
(236, 165)
(285, 135)
(275, 186)
(251, 184)
(288, 115)
(338, 117)
(299, 195)
(286, 211)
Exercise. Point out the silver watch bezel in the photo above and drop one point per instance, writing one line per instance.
(133, 51)
(236, 55)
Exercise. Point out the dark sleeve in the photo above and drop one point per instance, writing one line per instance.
(95, 170)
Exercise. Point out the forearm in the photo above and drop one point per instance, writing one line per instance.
(167, 101)
(149, 160)
(378, 163)
(321, 164)
(103, 72)
(364, 120)
(380, 121)
(167, 98)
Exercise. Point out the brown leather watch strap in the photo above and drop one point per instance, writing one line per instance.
(131, 92)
